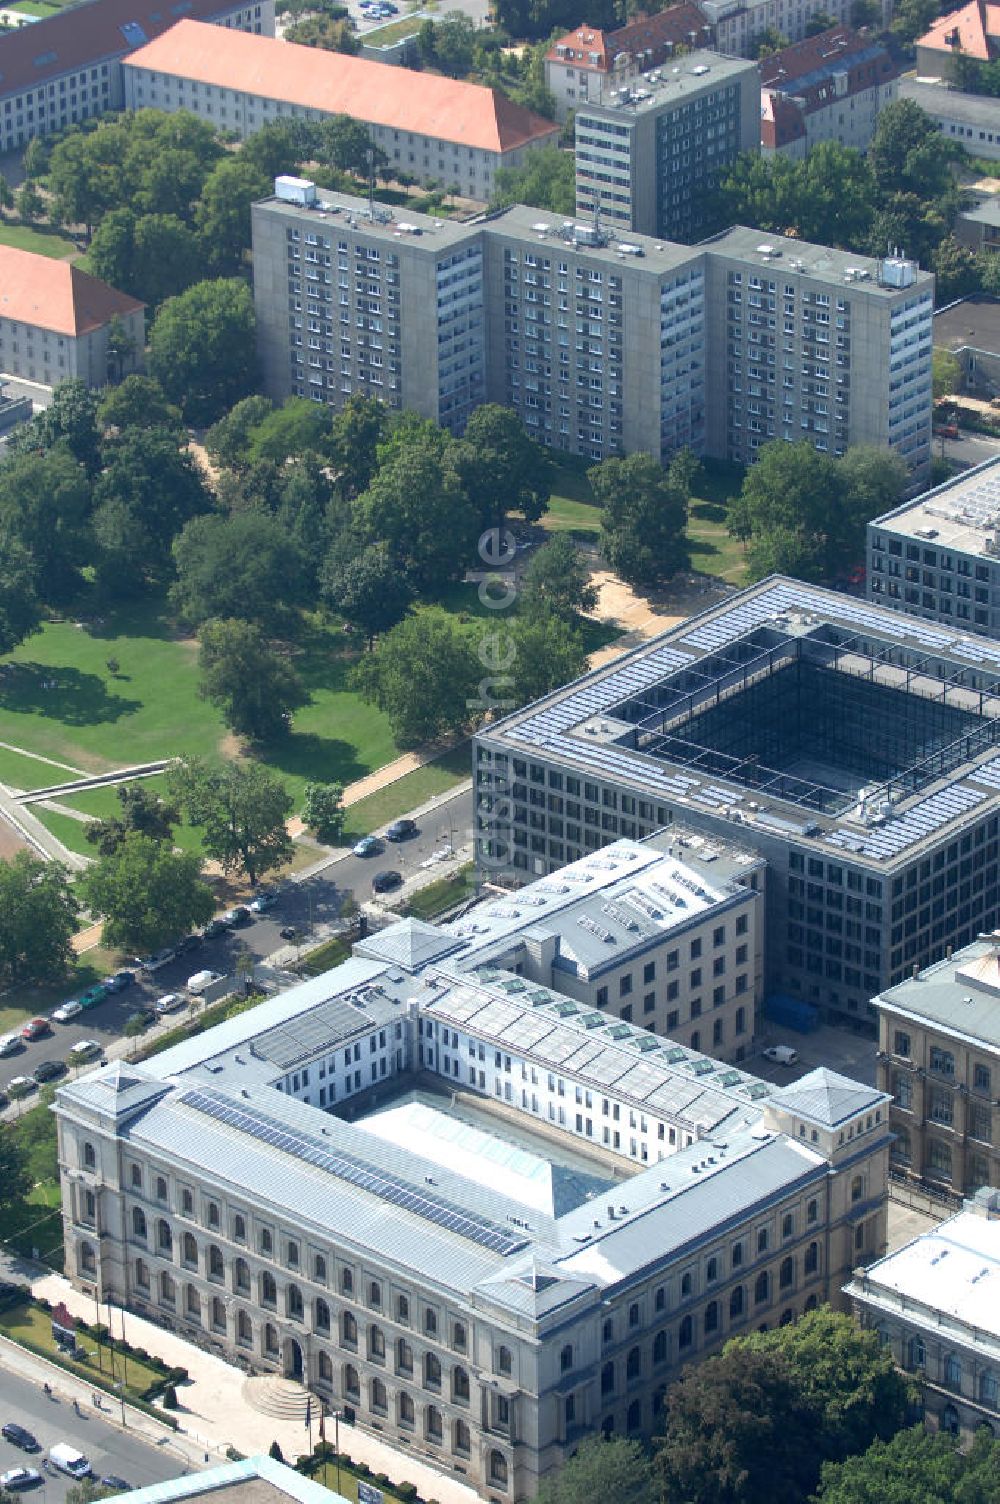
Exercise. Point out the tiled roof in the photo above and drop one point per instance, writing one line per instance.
(968, 31)
(808, 64)
(90, 33)
(589, 47)
(424, 103)
(55, 295)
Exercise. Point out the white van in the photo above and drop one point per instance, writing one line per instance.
(201, 981)
(781, 1054)
(68, 1460)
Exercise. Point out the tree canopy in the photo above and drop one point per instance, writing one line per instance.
(423, 674)
(643, 517)
(243, 809)
(255, 688)
(202, 348)
(243, 566)
(146, 892)
(38, 918)
(916, 1467)
(142, 810)
(557, 579)
(611, 1471)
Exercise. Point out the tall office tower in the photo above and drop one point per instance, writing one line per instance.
(648, 159)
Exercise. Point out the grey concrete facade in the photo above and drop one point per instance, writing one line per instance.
(603, 345)
(648, 160)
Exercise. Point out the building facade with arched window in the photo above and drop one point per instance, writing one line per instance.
(488, 1308)
(936, 1304)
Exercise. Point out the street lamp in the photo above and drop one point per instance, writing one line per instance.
(336, 1442)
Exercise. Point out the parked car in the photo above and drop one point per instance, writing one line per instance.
(189, 943)
(239, 916)
(168, 1003)
(215, 927)
(36, 1028)
(120, 981)
(48, 1070)
(11, 1044)
(93, 996)
(84, 1049)
(289, 932)
(20, 1436)
(120, 1485)
(384, 882)
(17, 1478)
(367, 846)
(66, 1011)
(781, 1054)
(157, 959)
(20, 1086)
(264, 900)
(401, 830)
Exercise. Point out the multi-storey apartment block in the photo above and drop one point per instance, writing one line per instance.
(349, 303)
(938, 556)
(829, 87)
(430, 127)
(55, 322)
(936, 1306)
(853, 748)
(67, 68)
(939, 1057)
(603, 345)
(470, 1212)
(585, 65)
(739, 25)
(821, 345)
(648, 156)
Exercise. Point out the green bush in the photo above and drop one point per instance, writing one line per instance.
(232, 1455)
(407, 1491)
(383, 1480)
(170, 1397)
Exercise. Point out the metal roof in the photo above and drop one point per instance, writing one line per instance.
(285, 1481)
(826, 1098)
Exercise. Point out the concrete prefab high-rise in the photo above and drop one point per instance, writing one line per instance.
(648, 157)
(604, 344)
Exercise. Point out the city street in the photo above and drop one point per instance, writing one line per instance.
(109, 1449)
(308, 905)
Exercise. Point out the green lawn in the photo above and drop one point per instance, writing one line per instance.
(103, 803)
(42, 242)
(71, 832)
(22, 1003)
(150, 708)
(343, 1480)
(21, 771)
(331, 953)
(27, 1323)
(408, 792)
(443, 894)
(394, 31)
(35, 1224)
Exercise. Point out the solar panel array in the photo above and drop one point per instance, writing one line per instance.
(902, 831)
(321, 1028)
(355, 1172)
(987, 773)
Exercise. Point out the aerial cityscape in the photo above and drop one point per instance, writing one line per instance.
(500, 751)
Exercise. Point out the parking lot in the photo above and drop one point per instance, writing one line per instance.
(838, 1049)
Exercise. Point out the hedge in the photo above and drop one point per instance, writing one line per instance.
(96, 1381)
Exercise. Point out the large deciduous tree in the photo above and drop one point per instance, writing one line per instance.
(255, 688)
(643, 519)
(202, 348)
(146, 892)
(38, 917)
(142, 810)
(424, 674)
(501, 468)
(20, 610)
(416, 503)
(611, 1471)
(243, 809)
(44, 505)
(558, 580)
(368, 591)
(242, 566)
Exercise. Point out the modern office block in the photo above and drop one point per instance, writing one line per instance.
(939, 1058)
(647, 160)
(603, 344)
(853, 748)
(935, 1305)
(938, 556)
(819, 344)
(431, 127)
(68, 67)
(469, 1212)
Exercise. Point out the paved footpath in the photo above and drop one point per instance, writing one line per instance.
(213, 1413)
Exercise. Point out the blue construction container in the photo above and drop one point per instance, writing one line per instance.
(791, 1013)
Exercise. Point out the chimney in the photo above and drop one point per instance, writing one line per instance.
(916, 971)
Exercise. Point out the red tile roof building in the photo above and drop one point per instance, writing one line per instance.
(54, 321)
(431, 127)
(56, 72)
(585, 64)
(973, 32)
(829, 87)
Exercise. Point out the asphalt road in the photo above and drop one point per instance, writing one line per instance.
(108, 1448)
(967, 450)
(306, 905)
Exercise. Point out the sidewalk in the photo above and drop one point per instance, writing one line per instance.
(214, 1415)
